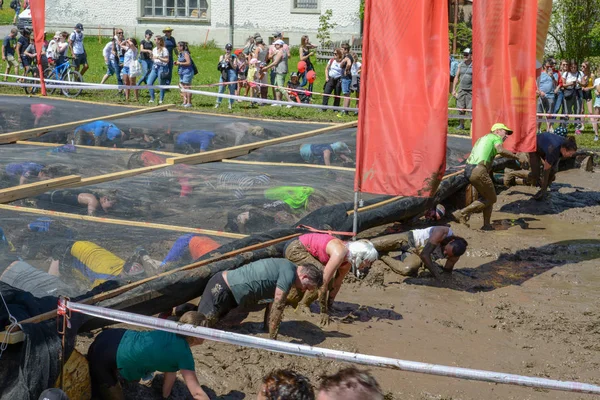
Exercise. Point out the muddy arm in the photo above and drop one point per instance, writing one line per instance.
(426, 258)
(276, 312)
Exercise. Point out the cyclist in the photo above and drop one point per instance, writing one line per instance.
(22, 44)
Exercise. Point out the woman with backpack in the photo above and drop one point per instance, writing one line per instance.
(186, 71)
(333, 75)
(16, 5)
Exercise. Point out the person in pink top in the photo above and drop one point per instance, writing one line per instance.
(335, 257)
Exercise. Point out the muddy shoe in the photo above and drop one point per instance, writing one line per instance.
(587, 164)
(460, 218)
(488, 228)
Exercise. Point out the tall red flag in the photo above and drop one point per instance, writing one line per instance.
(504, 47)
(402, 124)
(38, 20)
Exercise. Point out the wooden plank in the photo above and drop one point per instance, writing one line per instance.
(123, 222)
(29, 133)
(333, 167)
(236, 151)
(33, 189)
(123, 289)
(12, 338)
(94, 180)
(290, 121)
(100, 148)
(393, 199)
(60, 98)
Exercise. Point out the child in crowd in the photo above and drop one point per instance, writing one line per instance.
(297, 92)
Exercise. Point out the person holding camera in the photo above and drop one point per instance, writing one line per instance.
(228, 68)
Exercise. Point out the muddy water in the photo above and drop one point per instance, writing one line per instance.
(522, 301)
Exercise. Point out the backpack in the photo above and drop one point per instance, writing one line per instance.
(14, 4)
(52, 51)
(194, 68)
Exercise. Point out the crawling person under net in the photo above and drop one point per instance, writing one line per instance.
(27, 172)
(186, 249)
(92, 203)
(422, 248)
(325, 154)
(335, 258)
(267, 281)
(98, 133)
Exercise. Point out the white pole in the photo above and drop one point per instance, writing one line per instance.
(355, 227)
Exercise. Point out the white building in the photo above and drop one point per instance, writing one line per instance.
(199, 20)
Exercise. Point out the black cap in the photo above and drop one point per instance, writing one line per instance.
(228, 46)
(149, 32)
(79, 26)
(53, 394)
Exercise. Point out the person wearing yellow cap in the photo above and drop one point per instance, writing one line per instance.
(477, 171)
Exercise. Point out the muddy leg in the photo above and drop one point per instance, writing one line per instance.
(408, 267)
(387, 243)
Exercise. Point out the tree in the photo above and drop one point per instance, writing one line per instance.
(325, 27)
(464, 36)
(575, 28)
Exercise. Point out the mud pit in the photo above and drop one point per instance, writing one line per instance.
(522, 301)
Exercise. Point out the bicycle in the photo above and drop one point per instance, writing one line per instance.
(33, 72)
(65, 72)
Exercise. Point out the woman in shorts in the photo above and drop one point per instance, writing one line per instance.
(186, 72)
(130, 58)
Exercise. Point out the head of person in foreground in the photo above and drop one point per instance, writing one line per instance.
(285, 384)
(349, 384)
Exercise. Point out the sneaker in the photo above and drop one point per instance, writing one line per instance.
(160, 102)
(577, 132)
(342, 114)
(288, 106)
(151, 101)
(217, 105)
(275, 105)
(596, 138)
(188, 105)
(229, 106)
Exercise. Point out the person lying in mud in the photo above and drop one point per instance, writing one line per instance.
(195, 141)
(335, 258)
(40, 236)
(26, 172)
(238, 133)
(550, 149)
(133, 355)
(432, 216)
(98, 133)
(81, 200)
(186, 249)
(262, 281)
(325, 154)
(349, 384)
(478, 169)
(422, 248)
(285, 384)
(181, 172)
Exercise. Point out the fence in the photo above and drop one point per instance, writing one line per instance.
(325, 53)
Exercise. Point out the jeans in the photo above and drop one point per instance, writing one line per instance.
(146, 68)
(157, 71)
(115, 66)
(558, 101)
(332, 85)
(231, 77)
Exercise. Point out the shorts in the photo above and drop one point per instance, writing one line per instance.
(217, 299)
(597, 102)
(544, 104)
(346, 85)
(186, 79)
(280, 80)
(125, 71)
(80, 59)
(355, 85)
(26, 61)
(102, 359)
(587, 94)
(12, 61)
(110, 69)
(295, 251)
(464, 99)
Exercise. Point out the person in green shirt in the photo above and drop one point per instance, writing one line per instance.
(262, 281)
(477, 171)
(138, 354)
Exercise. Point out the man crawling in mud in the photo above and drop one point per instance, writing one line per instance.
(422, 248)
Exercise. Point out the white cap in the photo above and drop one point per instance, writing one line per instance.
(467, 50)
(279, 41)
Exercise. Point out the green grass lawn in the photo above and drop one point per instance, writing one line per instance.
(6, 14)
(206, 61)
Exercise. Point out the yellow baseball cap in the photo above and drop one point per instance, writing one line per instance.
(501, 126)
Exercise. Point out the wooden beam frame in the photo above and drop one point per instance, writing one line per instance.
(12, 338)
(29, 133)
(100, 148)
(33, 189)
(94, 180)
(289, 121)
(236, 151)
(282, 164)
(123, 222)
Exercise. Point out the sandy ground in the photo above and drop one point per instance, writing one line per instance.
(522, 301)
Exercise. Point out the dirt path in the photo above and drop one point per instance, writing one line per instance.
(522, 301)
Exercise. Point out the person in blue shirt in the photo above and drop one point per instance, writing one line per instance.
(325, 153)
(546, 83)
(27, 171)
(134, 355)
(195, 141)
(99, 133)
(550, 149)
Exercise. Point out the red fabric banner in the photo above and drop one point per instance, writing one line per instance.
(402, 124)
(504, 47)
(38, 20)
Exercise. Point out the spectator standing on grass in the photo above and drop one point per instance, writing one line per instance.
(261, 53)
(355, 85)
(128, 61)
(8, 52)
(22, 44)
(112, 57)
(227, 68)
(559, 101)
(77, 49)
(272, 50)
(587, 86)
(306, 51)
(242, 72)
(346, 79)
(185, 70)
(171, 45)
(464, 82)
(546, 84)
(596, 104)
(16, 5)
(333, 74)
(279, 64)
(453, 70)
(146, 47)
(160, 68)
(572, 86)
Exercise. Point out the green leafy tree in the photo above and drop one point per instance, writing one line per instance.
(325, 27)
(464, 36)
(574, 28)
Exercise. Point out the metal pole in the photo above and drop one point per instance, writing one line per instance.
(355, 226)
(455, 23)
(231, 21)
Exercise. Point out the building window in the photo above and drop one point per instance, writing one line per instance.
(306, 6)
(196, 9)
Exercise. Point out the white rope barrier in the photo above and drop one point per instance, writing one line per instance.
(322, 353)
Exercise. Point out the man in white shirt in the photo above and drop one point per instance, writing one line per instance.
(77, 49)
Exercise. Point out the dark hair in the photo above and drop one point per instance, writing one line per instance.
(352, 384)
(314, 273)
(184, 45)
(573, 62)
(570, 143)
(287, 384)
(345, 46)
(133, 41)
(458, 244)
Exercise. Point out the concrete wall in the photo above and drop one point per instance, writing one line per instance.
(264, 16)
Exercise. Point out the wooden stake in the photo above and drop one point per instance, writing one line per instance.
(33, 189)
(30, 133)
(235, 151)
(333, 167)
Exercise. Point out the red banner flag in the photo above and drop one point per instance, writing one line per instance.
(504, 47)
(402, 125)
(38, 20)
